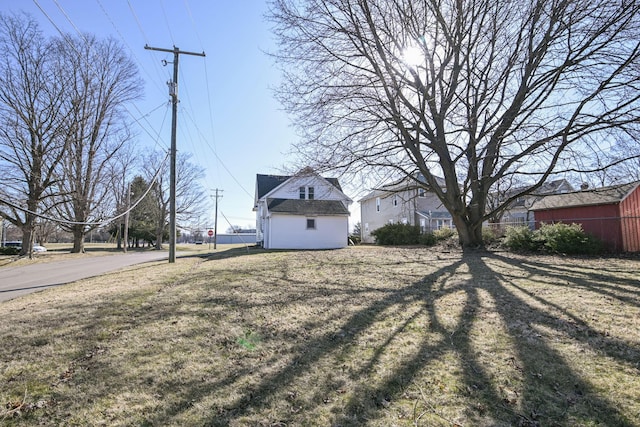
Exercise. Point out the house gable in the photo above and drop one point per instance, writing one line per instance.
(302, 211)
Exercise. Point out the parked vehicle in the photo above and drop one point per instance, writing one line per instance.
(18, 245)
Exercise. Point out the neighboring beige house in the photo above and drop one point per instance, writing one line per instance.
(303, 211)
(406, 202)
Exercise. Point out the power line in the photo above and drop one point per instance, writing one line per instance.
(104, 221)
(91, 66)
(218, 157)
(124, 40)
(173, 91)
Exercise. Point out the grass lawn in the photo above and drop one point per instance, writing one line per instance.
(363, 336)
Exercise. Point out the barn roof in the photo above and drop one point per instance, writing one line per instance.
(597, 196)
(307, 207)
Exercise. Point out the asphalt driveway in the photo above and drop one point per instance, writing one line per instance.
(18, 281)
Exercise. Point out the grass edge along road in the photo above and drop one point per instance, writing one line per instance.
(359, 336)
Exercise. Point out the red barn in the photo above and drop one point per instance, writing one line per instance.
(610, 213)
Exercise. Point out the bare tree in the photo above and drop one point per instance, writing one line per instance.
(190, 197)
(120, 170)
(102, 80)
(626, 162)
(475, 91)
(32, 122)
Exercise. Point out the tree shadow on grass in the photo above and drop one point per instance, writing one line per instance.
(500, 346)
(544, 389)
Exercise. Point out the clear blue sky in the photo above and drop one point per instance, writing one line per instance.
(228, 118)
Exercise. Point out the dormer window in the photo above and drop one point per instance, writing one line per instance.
(307, 193)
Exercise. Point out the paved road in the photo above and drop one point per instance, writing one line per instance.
(18, 281)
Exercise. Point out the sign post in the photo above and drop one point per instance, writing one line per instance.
(210, 233)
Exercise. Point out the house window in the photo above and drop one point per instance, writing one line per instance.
(306, 193)
(423, 225)
(422, 192)
(311, 224)
(377, 204)
(366, 227)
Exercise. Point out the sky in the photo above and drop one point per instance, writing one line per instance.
(228, 118)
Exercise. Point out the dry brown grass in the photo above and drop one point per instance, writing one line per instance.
(360, 336)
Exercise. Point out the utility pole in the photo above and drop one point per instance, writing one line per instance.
(215, 225)
(173, 92)
(126, 219)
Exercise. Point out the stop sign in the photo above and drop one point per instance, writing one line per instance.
(210, 233)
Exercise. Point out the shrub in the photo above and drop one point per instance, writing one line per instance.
(566, 239)
(354, 239)
(428, 239)
(397, 234)
(490, 235)
(9, 250)
(554, 238)
(519, 239)
(444, 233)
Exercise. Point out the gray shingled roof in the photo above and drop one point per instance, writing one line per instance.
(596, 196)
(403, 184)
(267, 183)
(307, 207)
(435, 214)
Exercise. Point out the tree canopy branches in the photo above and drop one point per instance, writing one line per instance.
(473, 91)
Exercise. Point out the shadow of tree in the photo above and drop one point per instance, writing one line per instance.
(474, 339)
(543, 387)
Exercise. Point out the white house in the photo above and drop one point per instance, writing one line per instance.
(408, 201)
(303, 211)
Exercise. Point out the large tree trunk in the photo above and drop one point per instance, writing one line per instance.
(29, 229)
(469, 223)
(159, 235)
(28, 232)
(78, 240)
(469, 234)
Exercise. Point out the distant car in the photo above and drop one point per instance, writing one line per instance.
(199, 242)
(38, 248)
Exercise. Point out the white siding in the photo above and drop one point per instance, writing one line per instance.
(290, 232)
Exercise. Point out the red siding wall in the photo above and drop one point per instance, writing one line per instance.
(601, 221)
(630, 211)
